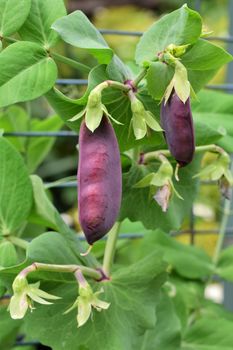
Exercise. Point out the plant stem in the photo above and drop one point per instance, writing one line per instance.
(10, 40)
(222, 230)
(139, 77)
(206, 148)
(114, 84)
(19, 242)
(61, 268)
(70, 62)
(110, 248)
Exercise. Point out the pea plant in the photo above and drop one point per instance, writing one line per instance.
(142, 138)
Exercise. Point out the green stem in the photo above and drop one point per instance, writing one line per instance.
(206, 148)
(110, 248)
(87, 271)
(139, 77)
(19, 242)
(70, 62)
(9, 40)
(114, 84)
(222, 231)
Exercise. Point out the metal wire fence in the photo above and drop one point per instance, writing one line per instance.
(71, 134)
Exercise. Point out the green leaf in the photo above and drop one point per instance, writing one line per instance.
(199, 78)
(35, 149)
(209, 333)
(117, 70)
(127, 292)
(39, 147)
(25, 65)
(15, 119)
(180, 27)
(206, 133)
(52, 248)
(225, 264)
(188, 261)
(187, 295)
(8, 254)
(9, 329)
(15, 189)
(13, 14)
(218, 121)
(42, 15)
(205, 56)
(167, 331)
(146, 210)
(65, 107)
(213, 101)
(158, 72)
(43, 212)
(77, 30)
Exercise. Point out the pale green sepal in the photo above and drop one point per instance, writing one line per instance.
(145, 182)
(139, 126)
(159, 179)
(151, 122)
(77, 116)
(193, 94)
(93, 117)
(109, 115)
(175, 191)
(168, 91)
(181, 83)
(73, 306)
(217, 173)
(18, 306)
(84, 311)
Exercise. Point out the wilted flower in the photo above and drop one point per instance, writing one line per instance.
(24, 295)
(85, 301)
(161, 185)
(162, 196)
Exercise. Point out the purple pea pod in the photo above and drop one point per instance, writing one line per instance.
(99, 180)
(177, 123)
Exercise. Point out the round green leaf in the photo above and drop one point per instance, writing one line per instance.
(42, 15)
(180, 27)
(26, 73)
(158, 72)
(13, 13)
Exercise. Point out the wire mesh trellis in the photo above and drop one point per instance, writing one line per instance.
(20, 342)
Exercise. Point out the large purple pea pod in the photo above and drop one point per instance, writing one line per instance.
(99, 180)
(177, 123)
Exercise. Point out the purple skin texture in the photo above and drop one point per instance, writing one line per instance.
(99, 180)
(177, 123)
